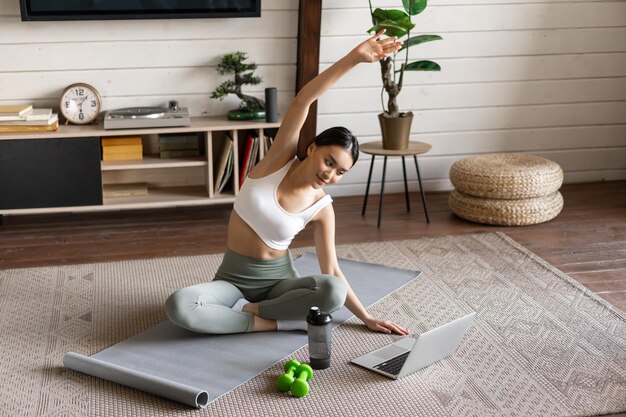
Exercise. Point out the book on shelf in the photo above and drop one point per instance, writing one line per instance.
(122, 149)
(15, 109)
(178, 146)
(230, 163)
(30, 128)
(267, 143)
(253, 156)
(54, 117)
(178, 138)
(137, 189)
(132, 156)
(223, 156)
(29, 116)
(247, 153)
(121, 140)
(179, 153)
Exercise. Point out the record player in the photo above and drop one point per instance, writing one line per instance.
(146, 117)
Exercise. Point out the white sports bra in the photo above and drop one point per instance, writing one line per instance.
(258, 206)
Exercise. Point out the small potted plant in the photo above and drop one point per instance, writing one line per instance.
(395, 125)
(233, 64)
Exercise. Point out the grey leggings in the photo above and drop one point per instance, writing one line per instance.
(275, 284)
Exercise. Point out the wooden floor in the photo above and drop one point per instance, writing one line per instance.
(587, 240)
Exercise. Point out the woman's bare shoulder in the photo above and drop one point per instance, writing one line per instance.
(327, 213)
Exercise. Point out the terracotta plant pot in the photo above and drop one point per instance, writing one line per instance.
(395, 130)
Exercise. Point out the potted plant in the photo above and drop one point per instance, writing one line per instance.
(250, 107)
(395, 125)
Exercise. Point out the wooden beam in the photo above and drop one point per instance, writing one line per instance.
(309, 27)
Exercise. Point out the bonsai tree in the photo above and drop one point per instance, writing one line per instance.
(398, 23)
(233, 64)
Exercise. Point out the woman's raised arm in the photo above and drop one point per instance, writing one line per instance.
(286, 142)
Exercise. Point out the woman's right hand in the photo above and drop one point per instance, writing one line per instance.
(385, 326)
(374, 49)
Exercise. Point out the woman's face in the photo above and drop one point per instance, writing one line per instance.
(328, 164)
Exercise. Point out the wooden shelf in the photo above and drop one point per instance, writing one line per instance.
(169, 197)
(171, 182)
(154, 162)
(156, 198)
(198, 124)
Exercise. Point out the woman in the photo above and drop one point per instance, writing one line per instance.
(256, 287)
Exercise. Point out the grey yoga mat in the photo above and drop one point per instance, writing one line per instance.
(195, 369)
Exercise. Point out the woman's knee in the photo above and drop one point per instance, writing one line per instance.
(333, 292)
(181, 308)
(203, 313)
(175, 309)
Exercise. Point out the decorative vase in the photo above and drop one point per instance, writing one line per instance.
(395, 130)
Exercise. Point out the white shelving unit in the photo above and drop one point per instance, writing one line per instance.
(172, 182)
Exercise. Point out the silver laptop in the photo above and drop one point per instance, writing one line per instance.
(408, 355)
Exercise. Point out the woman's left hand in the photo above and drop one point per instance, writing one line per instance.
(385, 326)
(377, 48)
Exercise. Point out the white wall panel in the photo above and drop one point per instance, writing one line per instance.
(543, 77)
(513, 117)
(470, 95)
(351, 4)
(497, 43)
(272, 24)
(145, 62)
(497, 69)
(435, 169)
(142, 54)
(520, 140)
(480, 17)
(546, 77)
(134, 82)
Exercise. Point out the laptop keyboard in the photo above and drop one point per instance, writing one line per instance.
(393, 365)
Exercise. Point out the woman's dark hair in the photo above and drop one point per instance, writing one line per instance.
(339, 136)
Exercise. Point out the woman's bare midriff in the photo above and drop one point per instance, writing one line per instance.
(244, 241)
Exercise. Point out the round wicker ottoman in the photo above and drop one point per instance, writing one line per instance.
(509, 189)
(520, 212)
(506, 176)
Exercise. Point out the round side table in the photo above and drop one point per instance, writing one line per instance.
(376, 149)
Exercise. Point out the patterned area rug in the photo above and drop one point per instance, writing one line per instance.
(541, 344)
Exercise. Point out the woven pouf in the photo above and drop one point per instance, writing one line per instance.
(506, 176)
(520, 212)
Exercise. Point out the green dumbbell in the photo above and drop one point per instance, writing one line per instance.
(284, 381)
(300, 387)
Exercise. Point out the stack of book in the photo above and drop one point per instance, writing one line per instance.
(24, 118)
(127, 148)
(250, 155)
(178, 146)
(137, 189)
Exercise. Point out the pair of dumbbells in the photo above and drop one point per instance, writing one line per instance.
(295, 378)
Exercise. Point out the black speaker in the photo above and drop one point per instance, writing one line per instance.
(271, 112)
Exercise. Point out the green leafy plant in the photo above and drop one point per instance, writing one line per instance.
(399, 23)
(233, 64)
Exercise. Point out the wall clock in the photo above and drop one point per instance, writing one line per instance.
(80, 104)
